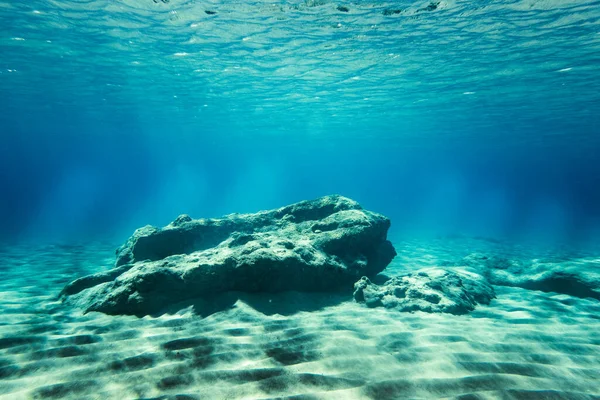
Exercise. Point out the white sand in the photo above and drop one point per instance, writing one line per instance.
(525, 345)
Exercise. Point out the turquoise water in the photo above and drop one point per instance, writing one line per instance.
(451, 117)
(473, 125)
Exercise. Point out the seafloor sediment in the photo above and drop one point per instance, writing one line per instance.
(526, 344)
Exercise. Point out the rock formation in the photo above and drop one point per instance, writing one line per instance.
(577, 277)
(430, 289)
(318, 245)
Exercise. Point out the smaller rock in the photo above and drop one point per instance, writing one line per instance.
(579, 277)
(430, 290)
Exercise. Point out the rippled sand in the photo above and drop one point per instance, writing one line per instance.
(524, 345)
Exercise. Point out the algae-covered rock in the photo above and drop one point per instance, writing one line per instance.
(579, 277)
(319, 245)
(430, 290)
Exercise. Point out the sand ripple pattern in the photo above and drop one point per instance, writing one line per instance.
(525, 345)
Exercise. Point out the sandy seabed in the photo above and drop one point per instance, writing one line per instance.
(525, 345)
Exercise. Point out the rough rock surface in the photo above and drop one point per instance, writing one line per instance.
(431, 290)
(317, 245)
(575, 277)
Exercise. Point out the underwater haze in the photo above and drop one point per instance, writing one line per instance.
(385, 200)
(450, 117)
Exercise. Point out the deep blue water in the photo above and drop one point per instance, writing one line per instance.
(474, 118)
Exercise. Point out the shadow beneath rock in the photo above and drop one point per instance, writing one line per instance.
(283, 303)
(201, 307)
(289, 303)
(381, 279)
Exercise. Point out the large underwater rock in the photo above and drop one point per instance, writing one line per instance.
(431, 290)
(318, 245)
(578, 277)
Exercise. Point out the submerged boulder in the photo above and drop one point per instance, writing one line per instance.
(579, 277)
(430, 290)
(317, 245)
